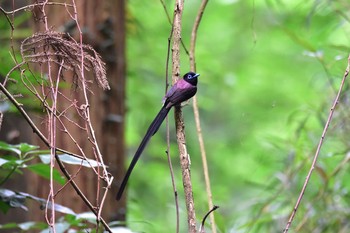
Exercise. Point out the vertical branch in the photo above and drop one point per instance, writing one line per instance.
(176, 197)
(196, 113)
(177, 37)
(180, 130)
(87, 118)
(52, 131)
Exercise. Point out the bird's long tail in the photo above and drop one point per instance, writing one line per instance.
(152, 129)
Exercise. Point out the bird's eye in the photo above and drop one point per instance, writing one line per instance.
(189, 76)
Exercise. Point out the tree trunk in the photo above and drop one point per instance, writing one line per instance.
(103, 26)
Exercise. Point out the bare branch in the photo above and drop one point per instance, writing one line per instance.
(319, 146)
(196, 113)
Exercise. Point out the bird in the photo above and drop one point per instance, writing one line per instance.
(181, 91)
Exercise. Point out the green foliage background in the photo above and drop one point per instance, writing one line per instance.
(269, 73)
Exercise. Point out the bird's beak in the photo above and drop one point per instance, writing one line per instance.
(196, 75)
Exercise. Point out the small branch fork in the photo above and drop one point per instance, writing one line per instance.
(319, 146)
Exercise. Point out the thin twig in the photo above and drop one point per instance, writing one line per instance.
(8, 19)
(52, 123)
(46, 142)
(104, 196)
(196, 113)
(52, 130)
(173, 183)
(81, 194)
(172, 25)
(29, 7)
(32, 125)
(98, 155)
(336, 100)
(176, 197)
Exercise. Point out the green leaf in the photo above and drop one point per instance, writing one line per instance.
(12, 199)
(8, 147)
(25, 226)
(10, 225)
(25, 148)
(4, 207)
(43, 170)
(19, 149)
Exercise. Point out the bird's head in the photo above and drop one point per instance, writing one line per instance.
(191, 77)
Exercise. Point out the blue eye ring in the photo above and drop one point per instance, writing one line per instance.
(191, 75)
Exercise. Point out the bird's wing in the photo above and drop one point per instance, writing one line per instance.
(180, 92)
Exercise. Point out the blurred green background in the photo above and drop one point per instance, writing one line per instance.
(269, 74)
(270, 71)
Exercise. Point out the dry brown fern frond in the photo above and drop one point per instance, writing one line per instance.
(63, 50)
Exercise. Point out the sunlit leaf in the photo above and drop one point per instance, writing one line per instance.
(43, 202)
(3, 161)
(25, 147)
(26, 225)
(59, 228)
(45, 158)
